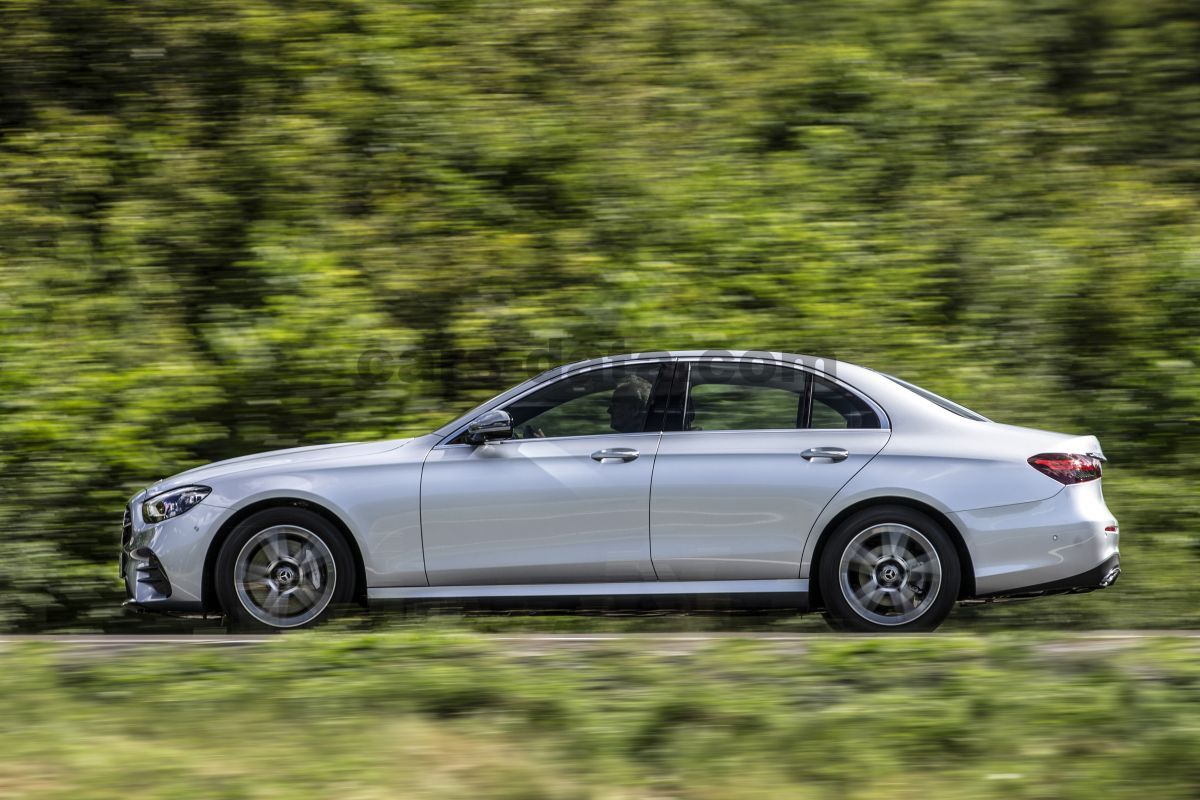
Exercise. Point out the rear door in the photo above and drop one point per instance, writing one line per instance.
(752, 454)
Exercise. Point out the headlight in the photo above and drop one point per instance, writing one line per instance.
(173, 503)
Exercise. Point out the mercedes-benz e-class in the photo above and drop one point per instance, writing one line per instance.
(744, 478)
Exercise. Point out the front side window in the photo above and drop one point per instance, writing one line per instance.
(602, 401)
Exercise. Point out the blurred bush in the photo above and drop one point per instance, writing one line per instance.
(209, 210)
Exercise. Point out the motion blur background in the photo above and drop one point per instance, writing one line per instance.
(211, 210)
(228, 226)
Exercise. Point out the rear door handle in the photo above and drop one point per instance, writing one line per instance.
(615, 454)
(832, 453)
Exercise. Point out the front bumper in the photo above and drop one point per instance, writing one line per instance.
(162, 565)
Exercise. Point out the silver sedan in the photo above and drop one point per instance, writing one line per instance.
(734, 478)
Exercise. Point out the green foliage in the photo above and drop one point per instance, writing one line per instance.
(434, 715)
(209, 210)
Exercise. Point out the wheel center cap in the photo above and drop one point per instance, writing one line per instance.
(889, 573)
(285, 576)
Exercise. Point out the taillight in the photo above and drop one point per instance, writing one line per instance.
(1067, 467)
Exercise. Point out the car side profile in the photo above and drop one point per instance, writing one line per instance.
(748, 478)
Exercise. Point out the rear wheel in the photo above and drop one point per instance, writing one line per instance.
(284, 568)
(888, 569)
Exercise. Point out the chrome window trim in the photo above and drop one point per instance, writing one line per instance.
(552, 376)
(447, 445)
(838, 431)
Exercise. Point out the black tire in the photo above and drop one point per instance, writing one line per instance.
(288, 543)
(898, 592)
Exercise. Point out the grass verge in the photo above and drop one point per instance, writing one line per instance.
(430, 714)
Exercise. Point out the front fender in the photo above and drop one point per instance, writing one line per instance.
(378, 499)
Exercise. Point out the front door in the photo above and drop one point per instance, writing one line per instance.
(567, 500)
(740, 483)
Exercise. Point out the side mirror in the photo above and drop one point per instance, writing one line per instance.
(494, 424)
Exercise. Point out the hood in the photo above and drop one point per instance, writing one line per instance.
(276, 458)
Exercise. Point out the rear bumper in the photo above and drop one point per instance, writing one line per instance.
(1056, 544)
(1101, 576)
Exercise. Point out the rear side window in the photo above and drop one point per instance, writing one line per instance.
(836, 407)
(733, 397)
(745, 396)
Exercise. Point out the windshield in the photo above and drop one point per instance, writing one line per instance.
(949, 405)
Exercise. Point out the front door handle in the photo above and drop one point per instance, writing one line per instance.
(832, 453)
(615, 454)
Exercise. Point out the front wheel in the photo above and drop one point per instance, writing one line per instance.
(283, 568)
(889, 569)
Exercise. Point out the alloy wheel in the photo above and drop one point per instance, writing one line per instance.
(285, 576)
(890, 574)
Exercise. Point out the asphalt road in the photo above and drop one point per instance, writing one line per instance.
(540, 644)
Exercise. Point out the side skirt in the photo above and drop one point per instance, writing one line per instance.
(751, 594)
